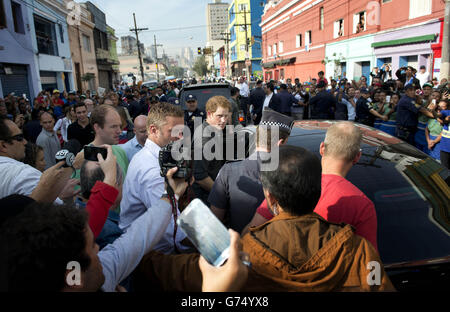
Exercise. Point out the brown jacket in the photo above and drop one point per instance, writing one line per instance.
(288, 253)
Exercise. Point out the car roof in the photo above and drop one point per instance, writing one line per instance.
(409, 189)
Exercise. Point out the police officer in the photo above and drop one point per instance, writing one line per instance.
(237, 190)
(191, 112)
(323, 104)
(365, 113)
(408, 110)
(283, 101)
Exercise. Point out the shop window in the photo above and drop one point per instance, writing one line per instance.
(2, 15)
(17, 18)
(338, 28)
(359, 22)
(322, 19)
(298, 41)
(45, 36)
(308, 38)
(418, 8)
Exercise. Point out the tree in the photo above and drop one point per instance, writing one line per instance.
(337, 61)
(175, 71)
(201, 66)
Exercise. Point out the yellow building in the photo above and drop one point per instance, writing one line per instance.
(245, 44)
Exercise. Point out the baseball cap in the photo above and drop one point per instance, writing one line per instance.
(56, 91)
(427, 85)
(173, 100)
(191, 97)
(409, 86)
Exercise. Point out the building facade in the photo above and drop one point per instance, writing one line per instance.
(81, 38)
(217, 23)
(245, 37)
(344, 38)
(113, 56)
(51, 40)
(18, 69)
(101, 45)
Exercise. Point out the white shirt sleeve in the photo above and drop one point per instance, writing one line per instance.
(57, 125)
(120, 258)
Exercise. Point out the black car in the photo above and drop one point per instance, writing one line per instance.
(411, 194)
(204, 92)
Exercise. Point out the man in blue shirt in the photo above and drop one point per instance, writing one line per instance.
(137, 143)
(407, 113)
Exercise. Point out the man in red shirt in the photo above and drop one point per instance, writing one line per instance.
(340, 201)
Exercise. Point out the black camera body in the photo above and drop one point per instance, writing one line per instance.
(166, 162)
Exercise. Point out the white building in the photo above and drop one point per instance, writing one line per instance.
(217, 24)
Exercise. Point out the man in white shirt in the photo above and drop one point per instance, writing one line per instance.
(269, 88)
(423, 75)
(17, 177)
(244, 92)
(144, 185)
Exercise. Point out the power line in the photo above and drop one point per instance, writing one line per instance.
(170, 29)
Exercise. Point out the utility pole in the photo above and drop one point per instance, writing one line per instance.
(247, 55)
(138, 45)
(445, 61)
(227, 42)
(156, 58)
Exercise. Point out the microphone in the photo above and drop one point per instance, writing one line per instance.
(67, 154)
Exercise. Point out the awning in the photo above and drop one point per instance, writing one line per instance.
(426, 38)
(279, 62)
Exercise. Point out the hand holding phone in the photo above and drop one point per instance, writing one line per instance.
(206, 232)
(91, 152)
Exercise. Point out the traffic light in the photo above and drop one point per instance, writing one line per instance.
(199, 51)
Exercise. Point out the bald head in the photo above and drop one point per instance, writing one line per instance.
(108, 102)
(343, 141)
(140, 129)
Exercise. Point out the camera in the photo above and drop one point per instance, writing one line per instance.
(166, 162)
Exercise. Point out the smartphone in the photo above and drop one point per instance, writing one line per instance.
(91, 152)
(388, 99)
(206, 232)
(433, 101)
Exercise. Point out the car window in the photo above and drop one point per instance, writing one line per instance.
(203, 95)
(411, 196)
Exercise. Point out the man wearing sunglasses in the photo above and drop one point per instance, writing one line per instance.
(19, 178)
(16, 176)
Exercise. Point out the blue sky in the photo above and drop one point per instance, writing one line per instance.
(159, 15)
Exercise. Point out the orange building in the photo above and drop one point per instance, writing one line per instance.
(296, 33)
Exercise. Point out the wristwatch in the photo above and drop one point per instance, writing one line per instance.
(165, 195)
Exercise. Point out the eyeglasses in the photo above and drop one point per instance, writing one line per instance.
(18, 137)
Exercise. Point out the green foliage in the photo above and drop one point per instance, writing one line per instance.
(201, 66)
(175, 71)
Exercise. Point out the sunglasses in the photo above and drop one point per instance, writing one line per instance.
(18, 137)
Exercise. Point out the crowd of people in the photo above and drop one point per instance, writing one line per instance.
(303, 225)
(412, 107)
